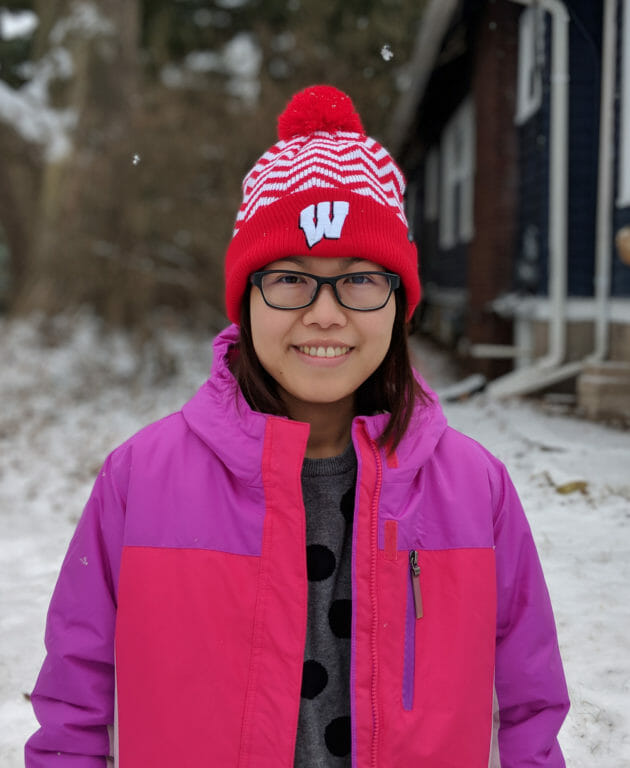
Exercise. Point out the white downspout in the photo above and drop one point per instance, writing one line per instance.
(559, 181)
(603, 242)
(527, 379)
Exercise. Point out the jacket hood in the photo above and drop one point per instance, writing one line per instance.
(220, 416)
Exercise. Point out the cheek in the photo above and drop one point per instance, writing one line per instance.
(260, 332)
(382, 331)
(268, 329)
(254, 322)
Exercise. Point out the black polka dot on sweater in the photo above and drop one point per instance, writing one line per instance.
(320, 562)
(347, 505)
(337, 736)
(314, 679)
(340, 617)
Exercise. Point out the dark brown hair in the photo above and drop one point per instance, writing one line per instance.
(392, 388)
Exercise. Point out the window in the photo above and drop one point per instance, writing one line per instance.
(457, 177)
(623, 198)
(531, 54)
(431, 185)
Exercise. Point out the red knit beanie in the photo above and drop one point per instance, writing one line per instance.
(325, 189)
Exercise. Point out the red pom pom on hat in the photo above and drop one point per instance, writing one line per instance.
(319, 108)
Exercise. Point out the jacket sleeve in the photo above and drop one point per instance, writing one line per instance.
(73, 698)
(529, 680)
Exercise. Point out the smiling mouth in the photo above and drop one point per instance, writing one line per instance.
(324, 351)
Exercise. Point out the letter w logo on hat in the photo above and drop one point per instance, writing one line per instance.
(317, 223)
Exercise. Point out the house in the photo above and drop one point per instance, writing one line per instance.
(515, 139)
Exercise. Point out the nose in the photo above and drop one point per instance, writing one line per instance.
(325, 310)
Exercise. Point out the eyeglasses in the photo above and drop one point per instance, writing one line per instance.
(361, 291)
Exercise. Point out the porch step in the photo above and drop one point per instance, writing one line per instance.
(603, 391)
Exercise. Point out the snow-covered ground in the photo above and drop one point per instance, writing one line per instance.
(70, 394)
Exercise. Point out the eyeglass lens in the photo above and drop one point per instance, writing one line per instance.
(359, 290)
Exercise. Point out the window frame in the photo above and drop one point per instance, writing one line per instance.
(457, 177)
(531, 53)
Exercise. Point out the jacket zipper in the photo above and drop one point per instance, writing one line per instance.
(373, 548)
(413, 612)
(414, 568)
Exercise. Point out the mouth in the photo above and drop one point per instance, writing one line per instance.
(325, 352)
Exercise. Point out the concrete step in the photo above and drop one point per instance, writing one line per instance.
(603, 391)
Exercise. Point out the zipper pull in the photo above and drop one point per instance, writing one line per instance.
(414, 568)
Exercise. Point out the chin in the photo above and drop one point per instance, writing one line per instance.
(321, 395)
(320, 399)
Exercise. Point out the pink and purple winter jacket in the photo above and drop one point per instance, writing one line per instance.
(176, 631)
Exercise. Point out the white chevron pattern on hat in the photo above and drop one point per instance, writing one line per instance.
(341, 160)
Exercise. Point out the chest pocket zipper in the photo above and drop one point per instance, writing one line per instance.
(413, 612)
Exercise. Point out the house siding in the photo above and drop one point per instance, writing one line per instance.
(532, 265)
(532, 252)
(585, 54)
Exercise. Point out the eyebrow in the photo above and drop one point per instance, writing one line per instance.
(299, 260)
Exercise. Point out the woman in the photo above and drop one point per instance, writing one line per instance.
(305, 566)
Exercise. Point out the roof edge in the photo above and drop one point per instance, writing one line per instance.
(434, 25)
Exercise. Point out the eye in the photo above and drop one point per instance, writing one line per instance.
(288, 278)
(359, 278)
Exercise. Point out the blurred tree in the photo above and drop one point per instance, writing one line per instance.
(147, 114)
(67, 129)
(19, 167)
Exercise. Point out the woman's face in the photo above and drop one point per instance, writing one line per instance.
(286, 341)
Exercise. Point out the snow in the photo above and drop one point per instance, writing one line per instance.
(71, 393)
(283, 42)
(84, 18)
(239, 60)
(203, 61)
(386, 53)
(28, 111)
(231, 4)
(15, 24)
(57, 64)
(36, 122)
(242, 58)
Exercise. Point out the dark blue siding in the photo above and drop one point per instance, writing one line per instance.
(533, 219)
(534, 140)
(585, 51)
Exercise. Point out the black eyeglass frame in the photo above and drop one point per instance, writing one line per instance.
(256, 279)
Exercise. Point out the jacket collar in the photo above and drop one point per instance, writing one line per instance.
(220, 416)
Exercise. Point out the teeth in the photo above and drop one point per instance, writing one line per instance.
(324, 351)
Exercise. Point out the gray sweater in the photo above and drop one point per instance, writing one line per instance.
(323, 735)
